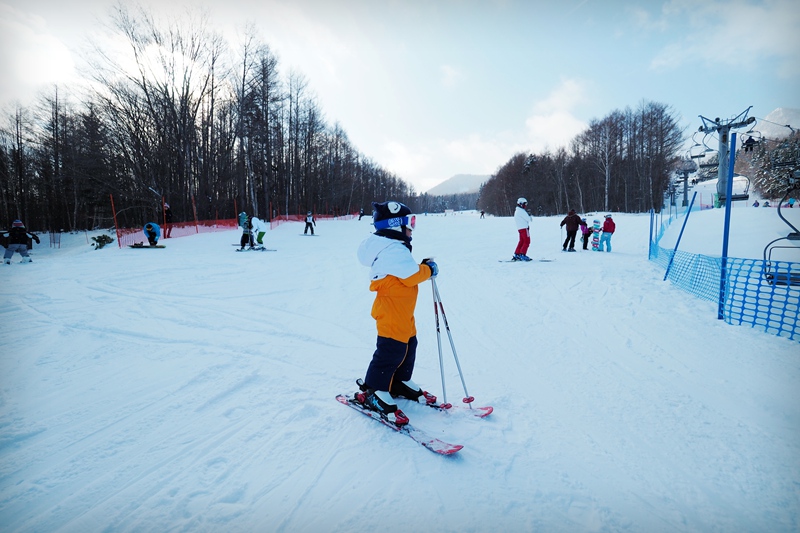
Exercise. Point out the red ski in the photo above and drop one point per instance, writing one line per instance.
(433, 444)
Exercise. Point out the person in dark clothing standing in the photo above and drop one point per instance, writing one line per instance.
(167, 220)
(310, 223)
(572, 221)
(247, 234)
(18, 242)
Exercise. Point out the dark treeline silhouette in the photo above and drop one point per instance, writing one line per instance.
(622, 163)
(178, 118)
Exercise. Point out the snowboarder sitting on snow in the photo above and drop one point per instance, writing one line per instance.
(608, 231)
(586, 232)
(395, 278)
(523, 221)
(309, 221)
(153, 232)
(18, 242)
(572, 221)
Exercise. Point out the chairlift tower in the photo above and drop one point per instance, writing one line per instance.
(686, 167)
(723, 130)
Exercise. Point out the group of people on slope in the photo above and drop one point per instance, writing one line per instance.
(395, 278)
(573, 223)
(253, 231)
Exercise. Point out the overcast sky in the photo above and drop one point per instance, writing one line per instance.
(433, 88)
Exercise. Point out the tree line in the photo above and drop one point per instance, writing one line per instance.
(623, 162)
(177, 117)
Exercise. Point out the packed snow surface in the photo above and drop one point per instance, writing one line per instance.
(192, 388)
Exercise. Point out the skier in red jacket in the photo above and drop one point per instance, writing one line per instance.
(608, 230)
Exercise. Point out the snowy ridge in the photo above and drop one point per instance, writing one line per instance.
(192, 389)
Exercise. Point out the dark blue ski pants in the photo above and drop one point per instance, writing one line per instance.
(392, 360)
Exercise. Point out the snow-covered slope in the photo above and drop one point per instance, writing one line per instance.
(192, 389)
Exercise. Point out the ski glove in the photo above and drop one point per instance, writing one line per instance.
(433, 266)
(36, 238)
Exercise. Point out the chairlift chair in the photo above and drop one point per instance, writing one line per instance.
(783, 272)
(754, 138)
(737, 195)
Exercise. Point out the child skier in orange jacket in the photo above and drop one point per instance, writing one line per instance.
(395, 278)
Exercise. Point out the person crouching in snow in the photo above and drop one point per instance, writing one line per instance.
(523, 221)
(395, 277)
(153, 232)
(259, 230)
(608, 230)
(18, 242)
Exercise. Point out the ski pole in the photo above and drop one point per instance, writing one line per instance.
(467, 399)
(439, 343)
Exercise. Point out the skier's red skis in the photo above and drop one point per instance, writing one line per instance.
(433, 444)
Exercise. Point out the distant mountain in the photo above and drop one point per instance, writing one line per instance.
(459, 184)
(773, 125)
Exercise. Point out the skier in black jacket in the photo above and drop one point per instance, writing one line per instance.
(18, 242)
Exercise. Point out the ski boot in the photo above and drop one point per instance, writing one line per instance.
(411, 391)
(382, 403)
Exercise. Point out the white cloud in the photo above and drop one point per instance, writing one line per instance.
(31, 56)
(552, 123)
(734, 33)
(429, 162)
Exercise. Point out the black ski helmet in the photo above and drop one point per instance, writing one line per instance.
(391, 215)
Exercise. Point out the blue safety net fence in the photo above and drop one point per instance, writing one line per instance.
(761, 294)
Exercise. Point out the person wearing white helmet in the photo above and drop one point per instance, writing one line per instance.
(259, 230)
(523, 221)
(608, 230)
(310, 223)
